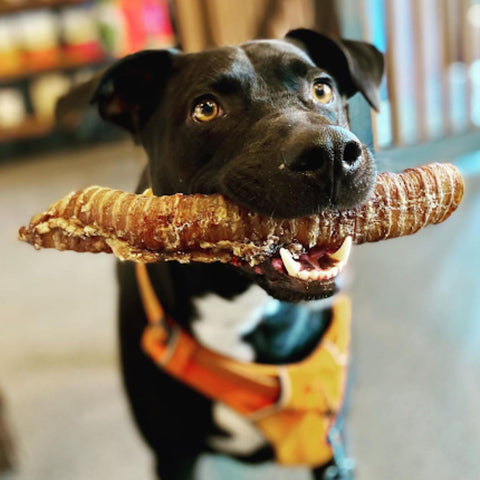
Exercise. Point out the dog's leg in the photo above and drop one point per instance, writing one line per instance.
(176, 466)
(6, 442)
(340, 467)
(332, 471)
(326, 472)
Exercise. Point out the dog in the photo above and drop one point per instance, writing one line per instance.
(265, 124)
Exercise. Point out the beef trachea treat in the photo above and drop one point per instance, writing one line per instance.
(210, 228)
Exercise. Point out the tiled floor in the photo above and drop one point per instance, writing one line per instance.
(416, 401)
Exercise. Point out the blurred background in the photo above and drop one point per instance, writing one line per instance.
(415, 409)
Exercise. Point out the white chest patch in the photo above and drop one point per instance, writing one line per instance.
(220, 326)
(222, 323)
(243, 437)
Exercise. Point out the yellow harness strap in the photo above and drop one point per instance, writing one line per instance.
(293, 405)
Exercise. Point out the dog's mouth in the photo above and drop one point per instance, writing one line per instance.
(294, 273)
(316, 265)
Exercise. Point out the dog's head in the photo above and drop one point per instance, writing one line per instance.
(264, 123)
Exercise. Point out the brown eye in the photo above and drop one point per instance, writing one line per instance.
(322, 92)
(206, 110)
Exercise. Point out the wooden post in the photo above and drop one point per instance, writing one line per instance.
(392, 73)
(420, 69)
(206, 23)
(445, 40)
(327, 18)
(368, 36)
(358, 108)
(467, 57)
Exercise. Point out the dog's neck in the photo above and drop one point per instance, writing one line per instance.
(255, 327)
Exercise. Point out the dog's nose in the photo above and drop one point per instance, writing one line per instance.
(328, 159)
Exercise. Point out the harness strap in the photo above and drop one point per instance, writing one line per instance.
(182, 356)
(295, 406)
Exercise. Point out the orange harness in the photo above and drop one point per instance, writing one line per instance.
(294, 406)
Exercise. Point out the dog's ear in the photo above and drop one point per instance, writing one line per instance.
(356, 66)
(127, 93)
(130, 90)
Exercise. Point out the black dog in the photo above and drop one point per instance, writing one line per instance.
(265, 124)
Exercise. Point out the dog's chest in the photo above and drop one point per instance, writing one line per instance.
(222, 324)
(255, 327)
(245, 329)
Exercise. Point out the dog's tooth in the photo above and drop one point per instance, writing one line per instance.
(327, 274)
(291, 265)
(342, 254)
(324, 275)
(303, 275)
(315, 275)
(334, 271)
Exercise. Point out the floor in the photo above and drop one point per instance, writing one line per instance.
(416, 399)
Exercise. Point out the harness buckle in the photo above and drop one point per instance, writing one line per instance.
(161, 330)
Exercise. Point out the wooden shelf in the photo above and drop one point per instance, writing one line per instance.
(32, 127)
(15, 7)
(63, 64)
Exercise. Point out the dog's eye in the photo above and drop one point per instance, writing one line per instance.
(206, 110)
(322, 92)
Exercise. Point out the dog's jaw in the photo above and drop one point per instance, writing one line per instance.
(301, 274)
(289, 289)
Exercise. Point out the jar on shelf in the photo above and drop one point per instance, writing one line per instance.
(12, 108)
(80, 34)
(10, 52)
(39, 37)
(45, 91)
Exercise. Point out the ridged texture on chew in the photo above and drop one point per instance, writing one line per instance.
(210, 228)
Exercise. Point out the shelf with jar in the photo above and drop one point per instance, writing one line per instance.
(44, 51)
(15, 6)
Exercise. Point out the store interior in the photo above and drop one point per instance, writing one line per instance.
(414, 408)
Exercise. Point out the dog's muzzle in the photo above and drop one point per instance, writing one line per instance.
(310, 169)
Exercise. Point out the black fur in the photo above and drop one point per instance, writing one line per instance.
(272, 149)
